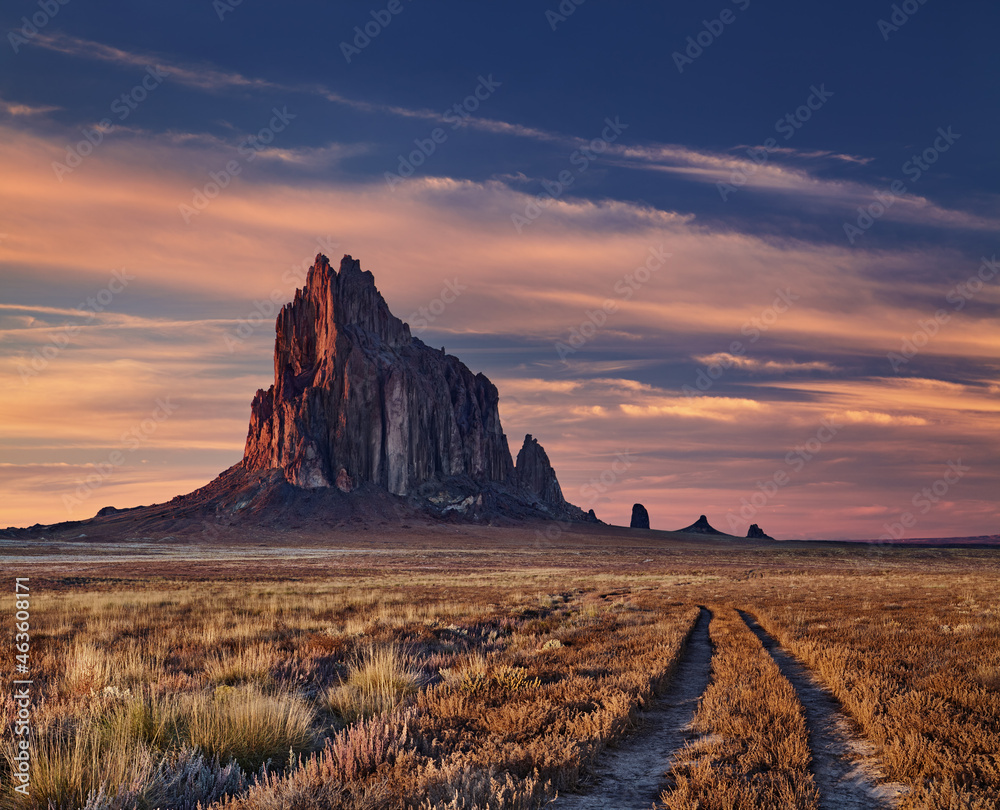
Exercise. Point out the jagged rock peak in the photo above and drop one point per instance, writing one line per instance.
(354, 391)
(640, 517)
(757, 533)
(534, 473)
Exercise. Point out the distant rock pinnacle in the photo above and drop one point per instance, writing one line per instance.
(534, 473)
(640, 517)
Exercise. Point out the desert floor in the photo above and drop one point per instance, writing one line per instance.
(467, 666)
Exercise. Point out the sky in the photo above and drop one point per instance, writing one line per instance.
(725, 258)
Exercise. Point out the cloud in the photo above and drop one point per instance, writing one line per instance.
(794, 180)
(745, 363)
(878, 418)
(724, 409)
(199, 75)
(15, 109)
(523, 292)
(209, 78)
(786, 171)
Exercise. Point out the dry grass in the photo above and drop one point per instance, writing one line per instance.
(75, 760)
(496, 689)
(754, 752)
(380, 680)
(915, 684)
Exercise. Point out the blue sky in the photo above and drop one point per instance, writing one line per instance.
(558, 154)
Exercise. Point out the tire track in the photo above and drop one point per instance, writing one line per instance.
(631, 775)
(843, 763)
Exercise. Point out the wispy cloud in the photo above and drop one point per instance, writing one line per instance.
(754, 364)
(792, 178)
(202, 76)
(209, 78)
(16, 109)
(787, 171)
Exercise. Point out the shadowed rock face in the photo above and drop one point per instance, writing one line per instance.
(534, 473)
(353, 391)
(757, 533)
(640, 517)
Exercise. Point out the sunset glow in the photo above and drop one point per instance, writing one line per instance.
(667, 345)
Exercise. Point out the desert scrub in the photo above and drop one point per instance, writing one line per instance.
(79, 765)
(379, 680)
(244, 665)
(755, 748)
(75, 758)
(506, 730)
(914, 690)
(336, 777)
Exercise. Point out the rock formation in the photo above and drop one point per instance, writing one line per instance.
(364, 427)
(353, 390)
(640, 517)
(757, 533)
(533, 473)
(702, 526)
(357, 399)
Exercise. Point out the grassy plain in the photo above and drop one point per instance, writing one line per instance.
(485, 668)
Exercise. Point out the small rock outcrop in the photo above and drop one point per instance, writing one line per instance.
(702, 526)
(344, 482)
(757, 533)
(640, 517)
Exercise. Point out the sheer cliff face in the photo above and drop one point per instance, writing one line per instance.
(354, 392)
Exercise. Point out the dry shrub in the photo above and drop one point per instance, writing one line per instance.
(331, 778)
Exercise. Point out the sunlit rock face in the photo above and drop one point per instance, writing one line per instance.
(357, 398)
